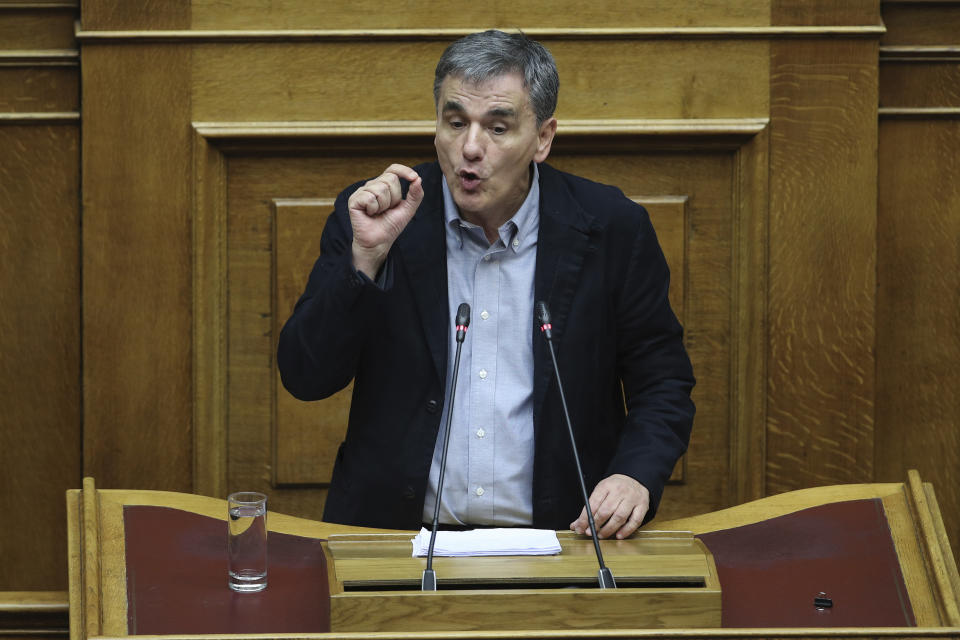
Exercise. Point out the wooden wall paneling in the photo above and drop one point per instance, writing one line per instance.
(256, 180)
(822, 256)
(748, 371)
(918, 323)
(263, 81)
(137, 266)
(39, 81)
(854, 13)
(209, 283)
(910, 79)
(33, 27)
(40, 427)
(122, 15)
(40, 343)
(503, 14)
(920, 23)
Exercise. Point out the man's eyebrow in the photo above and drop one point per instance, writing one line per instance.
(453, 105)
(502, 112)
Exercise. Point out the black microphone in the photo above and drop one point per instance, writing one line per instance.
(604, 576)
(429, 580)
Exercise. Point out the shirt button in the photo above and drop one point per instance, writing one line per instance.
(481, 433)
(483, 374)
(484, 314)
(479, 491)
(516, 243)
(486, 258)
(433, 406)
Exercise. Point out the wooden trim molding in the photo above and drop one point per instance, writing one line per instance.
(919, 54)
(919, 113)
(34, 6)
(319, 35)
(40, 58)
(34, 612)
(209, 318)
(66, 117)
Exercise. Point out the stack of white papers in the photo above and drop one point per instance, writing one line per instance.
(488, 542)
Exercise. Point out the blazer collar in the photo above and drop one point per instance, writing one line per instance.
(567, 235)
(423, 248)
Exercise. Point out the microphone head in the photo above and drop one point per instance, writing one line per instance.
(543, 313)
(463, 315)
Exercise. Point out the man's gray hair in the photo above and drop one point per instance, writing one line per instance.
(480, 56)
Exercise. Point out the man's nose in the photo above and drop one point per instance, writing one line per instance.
(473, 144)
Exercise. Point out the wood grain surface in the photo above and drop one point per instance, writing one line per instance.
(40, 289)
(820, 287)
(137, 267)
(822, 263)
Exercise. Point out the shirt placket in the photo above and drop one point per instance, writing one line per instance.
(482, 430)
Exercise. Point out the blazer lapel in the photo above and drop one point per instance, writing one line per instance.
(422, 248)
(563, 243)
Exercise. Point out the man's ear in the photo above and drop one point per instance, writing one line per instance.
(545, 139)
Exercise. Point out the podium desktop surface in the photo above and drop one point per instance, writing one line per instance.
(154, 563)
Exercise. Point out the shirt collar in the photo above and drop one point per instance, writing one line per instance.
(517, 229)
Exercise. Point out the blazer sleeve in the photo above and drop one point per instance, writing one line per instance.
(323, 340)
(654, 369)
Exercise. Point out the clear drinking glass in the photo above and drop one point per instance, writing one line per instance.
(247, 541)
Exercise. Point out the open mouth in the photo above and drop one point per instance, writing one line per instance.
(468, 180)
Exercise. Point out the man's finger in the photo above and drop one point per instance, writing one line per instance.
(415, 193)
(403, 171)
(633, 522)
(612, 523)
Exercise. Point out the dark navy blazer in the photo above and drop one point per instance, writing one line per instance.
(625, 372)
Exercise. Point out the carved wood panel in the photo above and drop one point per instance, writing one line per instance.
(277, 205)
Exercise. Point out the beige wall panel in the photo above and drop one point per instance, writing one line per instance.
(822, 263)
(914, 84)
(918, 322)
(504, 14)
(610, 79)
(137, 267)
(24, 29)
(921, 23)
(40, 347)
(144, 14)
(39, 89)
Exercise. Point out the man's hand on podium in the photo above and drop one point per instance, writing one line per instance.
(619, 504)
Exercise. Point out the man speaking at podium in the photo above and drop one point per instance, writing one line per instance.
(490, 224)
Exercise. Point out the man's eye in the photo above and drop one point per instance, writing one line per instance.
(456, 124)
(499, 129)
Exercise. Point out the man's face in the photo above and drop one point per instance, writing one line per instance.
(487, 135)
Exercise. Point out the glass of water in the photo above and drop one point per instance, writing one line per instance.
(247, 541)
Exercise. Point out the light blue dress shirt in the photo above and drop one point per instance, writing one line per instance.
(489, 474)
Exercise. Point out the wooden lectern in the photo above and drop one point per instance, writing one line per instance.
(153, 563)
(664, 579)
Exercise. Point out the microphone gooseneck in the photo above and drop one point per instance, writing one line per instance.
(429, 580)
(604, 576)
